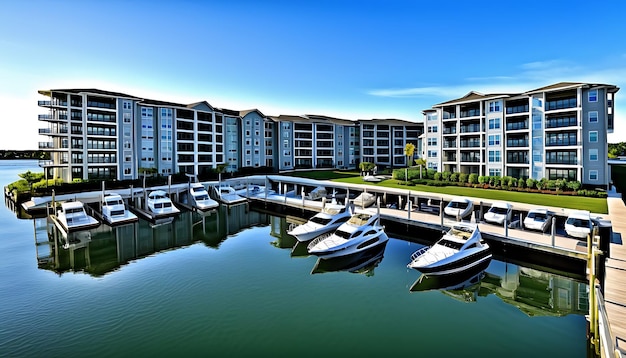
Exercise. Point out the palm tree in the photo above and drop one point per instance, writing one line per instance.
(409, 149)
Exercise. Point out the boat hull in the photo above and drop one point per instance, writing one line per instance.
(455, 265)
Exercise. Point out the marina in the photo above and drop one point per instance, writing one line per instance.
(127, 244)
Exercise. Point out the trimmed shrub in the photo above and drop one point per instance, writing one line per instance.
(445, 175)
(472, 178)
(437, 176)
(463, 177)
(454, 177)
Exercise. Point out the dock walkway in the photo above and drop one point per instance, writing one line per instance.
(615, 275)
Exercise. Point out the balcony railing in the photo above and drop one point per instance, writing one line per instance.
(46, 145)
(470, 159)
(561, 104)
(514, 126)
(449, 144)
(50, 117)
(472, 144)
(517, 109)
(564, 143)
(52, 103)
(470, 113)
(470, 129)
(449, 130)
(517, 143)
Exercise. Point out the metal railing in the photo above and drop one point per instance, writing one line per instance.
(608, 342)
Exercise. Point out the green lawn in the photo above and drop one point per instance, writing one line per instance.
(594, 205)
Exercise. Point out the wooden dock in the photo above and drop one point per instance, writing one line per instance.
(615, 266)
(615, 276)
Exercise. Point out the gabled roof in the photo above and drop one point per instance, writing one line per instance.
(474, 96)
(154, 102)
(319, 118)
(201, 106)
(248, 111)
(228, 112)
(391, 121)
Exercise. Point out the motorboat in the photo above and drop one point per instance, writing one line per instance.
(252, 190)
(538, 219)
(498, 213)
(73, 217)
(365, 200)
(114, 210)
(200, 197)
(228, 195)
(460, 208)
(317, 193)
(579, 224)
(329, 219)
(372, 179)
(363, 231)
(160, 205)
(460, 248)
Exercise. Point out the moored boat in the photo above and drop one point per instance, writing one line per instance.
(363, 231)
(329, 219)
(460, 248)
(73, 217)
(114, 210)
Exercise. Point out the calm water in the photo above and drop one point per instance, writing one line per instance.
(233, 284)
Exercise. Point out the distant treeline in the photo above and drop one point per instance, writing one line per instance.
(23, 154)
(617, 149)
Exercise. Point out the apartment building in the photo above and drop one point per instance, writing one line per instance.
(383, 141)
(95, 134)
(556, 131)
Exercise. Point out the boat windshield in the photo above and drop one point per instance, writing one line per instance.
(342, 234)
(461, 232)
(538, 216)
(202, 197)
(113, 202)
(451, 244)
(318, 220)
(458, 204)
(500, 211)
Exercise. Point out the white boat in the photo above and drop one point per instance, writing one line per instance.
(459, 208)
(363, 231)
(579, 224)
(365, 200)
(317, 193)
(459, 249)
(372, 179)
(251, 190)
(73, 217)
(228, 195)
(498, 213)
(200, 197)
(538, 219)
(329, 219)
(160, 205)
(114, 210)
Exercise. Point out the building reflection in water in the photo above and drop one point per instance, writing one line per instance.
(105, 249)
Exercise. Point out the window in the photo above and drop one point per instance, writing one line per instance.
(431, 116)
(593, 154)
(432, 154)
(494, 123)
(432, 141)
(593, 116)
(494, 156)
(593, 136)
(494, 139)
(495, 106)
(593, 96)
(593, 175)
(432, 129)
(495, 172)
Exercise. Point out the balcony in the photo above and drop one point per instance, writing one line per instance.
(474, 112)
(470, 159)
(562, 143)
(473, 128)
(449, 130)
(517, 109)
(52, 103)
(515, 126)
(470, 144)
(560, 104)
(517, 143)
(50, 131)
(451, 144)
(449, 158)
(46, 145)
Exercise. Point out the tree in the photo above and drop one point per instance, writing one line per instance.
(31, 178)
(421, 162)
(409, 149)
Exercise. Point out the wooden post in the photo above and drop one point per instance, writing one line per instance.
(553, 229)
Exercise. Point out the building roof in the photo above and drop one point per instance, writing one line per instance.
(570, 85)
(474, 96)
(248, 111)
(87, 90)
(391, 121)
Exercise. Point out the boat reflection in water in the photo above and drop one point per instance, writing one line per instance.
(105, 249)
(363, 262)
(464, 285)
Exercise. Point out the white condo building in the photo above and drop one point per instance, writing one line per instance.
(553, 132)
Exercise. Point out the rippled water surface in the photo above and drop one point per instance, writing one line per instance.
(233, 284)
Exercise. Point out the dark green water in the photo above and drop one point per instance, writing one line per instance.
(235, 286)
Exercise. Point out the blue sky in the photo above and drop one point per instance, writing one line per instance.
(348, 59)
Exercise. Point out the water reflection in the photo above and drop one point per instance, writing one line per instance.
(463, 286)
(105, 249)
(361, 262)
